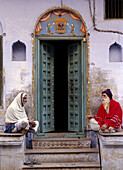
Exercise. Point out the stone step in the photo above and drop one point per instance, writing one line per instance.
(62, 155)
(47, 143)
(61, 134)
(64, 166)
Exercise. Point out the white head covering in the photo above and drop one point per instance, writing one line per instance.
(16, 110)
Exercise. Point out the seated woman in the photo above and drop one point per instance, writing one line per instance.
(16, 119)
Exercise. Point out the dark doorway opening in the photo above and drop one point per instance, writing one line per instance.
(61, 86)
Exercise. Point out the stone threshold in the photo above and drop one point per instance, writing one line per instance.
(62, 138)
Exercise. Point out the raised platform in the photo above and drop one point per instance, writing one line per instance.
(12, 147)
(111, 145)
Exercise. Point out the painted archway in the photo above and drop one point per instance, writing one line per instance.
(67, 25)
(60, 22)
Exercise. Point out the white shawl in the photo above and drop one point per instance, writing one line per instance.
(16, 111)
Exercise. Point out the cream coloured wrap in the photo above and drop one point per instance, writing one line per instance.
(16, 111)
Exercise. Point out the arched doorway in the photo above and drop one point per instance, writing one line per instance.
(60, 71)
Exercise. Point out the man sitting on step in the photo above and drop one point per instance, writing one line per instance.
(109, 116)
(16, 119)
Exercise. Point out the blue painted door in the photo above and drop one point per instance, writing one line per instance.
(47, 87)
(74, 87)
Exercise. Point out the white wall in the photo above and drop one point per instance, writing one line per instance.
(18, 19)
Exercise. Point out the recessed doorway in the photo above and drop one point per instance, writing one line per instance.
(59, 85)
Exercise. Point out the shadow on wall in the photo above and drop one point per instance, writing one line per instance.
(99, 81)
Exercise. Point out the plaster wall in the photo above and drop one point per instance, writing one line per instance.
(18, 20)
(104, 74)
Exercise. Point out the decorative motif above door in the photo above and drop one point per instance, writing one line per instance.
(60, 22)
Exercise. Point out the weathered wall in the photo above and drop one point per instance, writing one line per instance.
(18, 19)
(104, 74)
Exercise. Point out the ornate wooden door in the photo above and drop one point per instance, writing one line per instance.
(47, 87)
(74, 88)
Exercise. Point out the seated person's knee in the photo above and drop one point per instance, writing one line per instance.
(25, 123)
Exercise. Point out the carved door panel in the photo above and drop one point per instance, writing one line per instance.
(47, 87)
(74, 88)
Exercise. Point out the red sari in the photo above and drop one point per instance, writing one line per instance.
(113, 118)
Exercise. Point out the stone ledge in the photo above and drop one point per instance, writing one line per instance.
(10, 143)
(112, 134)
(10, 134)
(11, 139)
(111, 139)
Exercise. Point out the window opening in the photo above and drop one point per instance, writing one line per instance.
(113, 9)
(18, 51)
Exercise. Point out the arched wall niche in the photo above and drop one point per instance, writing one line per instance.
(18, 51)
(115, 53)
(60, 21)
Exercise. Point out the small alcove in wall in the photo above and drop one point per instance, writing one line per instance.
(115, 53)
(18, 51)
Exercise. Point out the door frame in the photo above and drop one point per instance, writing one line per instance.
(37, 106)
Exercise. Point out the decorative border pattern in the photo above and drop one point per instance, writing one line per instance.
(61, 143)
(33, 86)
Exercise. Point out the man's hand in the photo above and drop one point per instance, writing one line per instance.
(104, 127)
(32, 123)
(89, 116)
